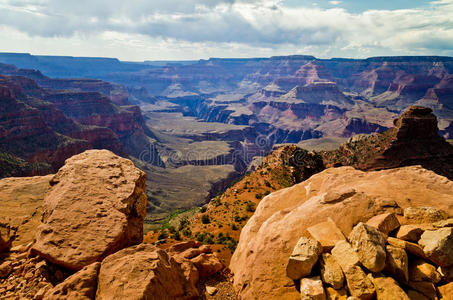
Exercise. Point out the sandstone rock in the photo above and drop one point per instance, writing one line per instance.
(81, 285)
(21, 199)
(384, 222)
(345, 255)
(5, 268)
(446, 291)
(387, 288)
(397, 263)
(420, 270)
(142, 272)
(7, 234)
(427, 289)
(327, 233)
(444, 223)
(82, 224)
(359, 285)
(331, 272)
(423, 214)
(312, 289)
(438, 246)
(207, 264)
(42, 291)
(370, 245)
(304, 257)
(411, 233)
(211, 290)
(411, 248)
(268, 238)
(414, 295)
(333, 294)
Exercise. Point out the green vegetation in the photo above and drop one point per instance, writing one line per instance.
(205, 219)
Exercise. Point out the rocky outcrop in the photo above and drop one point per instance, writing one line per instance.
(352, 196)
(414, 140)
(82, 224)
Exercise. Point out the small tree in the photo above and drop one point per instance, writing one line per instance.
(205, 219)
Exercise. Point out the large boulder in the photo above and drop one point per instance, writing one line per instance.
(143, 272)
(269, 237)
(95, 207)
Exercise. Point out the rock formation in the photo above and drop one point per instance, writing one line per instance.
(347, 196)
(82, 224)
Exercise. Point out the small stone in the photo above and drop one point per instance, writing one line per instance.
(387, 288)
(5, 269)
(312, 289)
(385, 223)
(446, 273)
(411, 233)
(358, 283)
(397, 263)
(333, 294)
(304, 257)
(211, 290)
(446, 291)
(444, 223)
(370, 245)
(411, 248)
(345, 255)
(420, 270)
(40, 294)
(327, 233)
(331, 272)
(207, 264)
(420, 215)
(438, 246)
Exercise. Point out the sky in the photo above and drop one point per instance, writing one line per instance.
(137, 30)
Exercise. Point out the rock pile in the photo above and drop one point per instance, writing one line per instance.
(380, 259)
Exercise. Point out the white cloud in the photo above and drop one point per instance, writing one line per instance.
(174, 29)
(335, 2)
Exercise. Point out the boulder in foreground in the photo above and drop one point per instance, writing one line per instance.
(95, 207)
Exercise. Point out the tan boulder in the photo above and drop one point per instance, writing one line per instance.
(5, 269)
(345, 255)
(411, 232)
(142, 272)
(82, 285)
(424, 214)
(95, 207)
(370, 245)
(438, 246)
(331, 272)
(385, 223)
(207, 264)
(327, 233)
(268, 238)
(359, 285)
(312, 289)
(446, 291)
(387, 288)
(333, 294)
(21, 199)
(419, 270)
(397, 263)
(304, 257)
(425, 288)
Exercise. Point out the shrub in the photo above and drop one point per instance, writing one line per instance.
(176, 236)
(234, 227)
(187, 232)
(162, 235)
(203, 209)
(250, 207)
(205, 219)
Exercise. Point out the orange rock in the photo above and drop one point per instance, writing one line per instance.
(411, 233)
(95, 207)
(304, 257)
(446, 291)
(384, 222)
(387, 288)
(207, 264)
(327, 233)
(397, 263)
